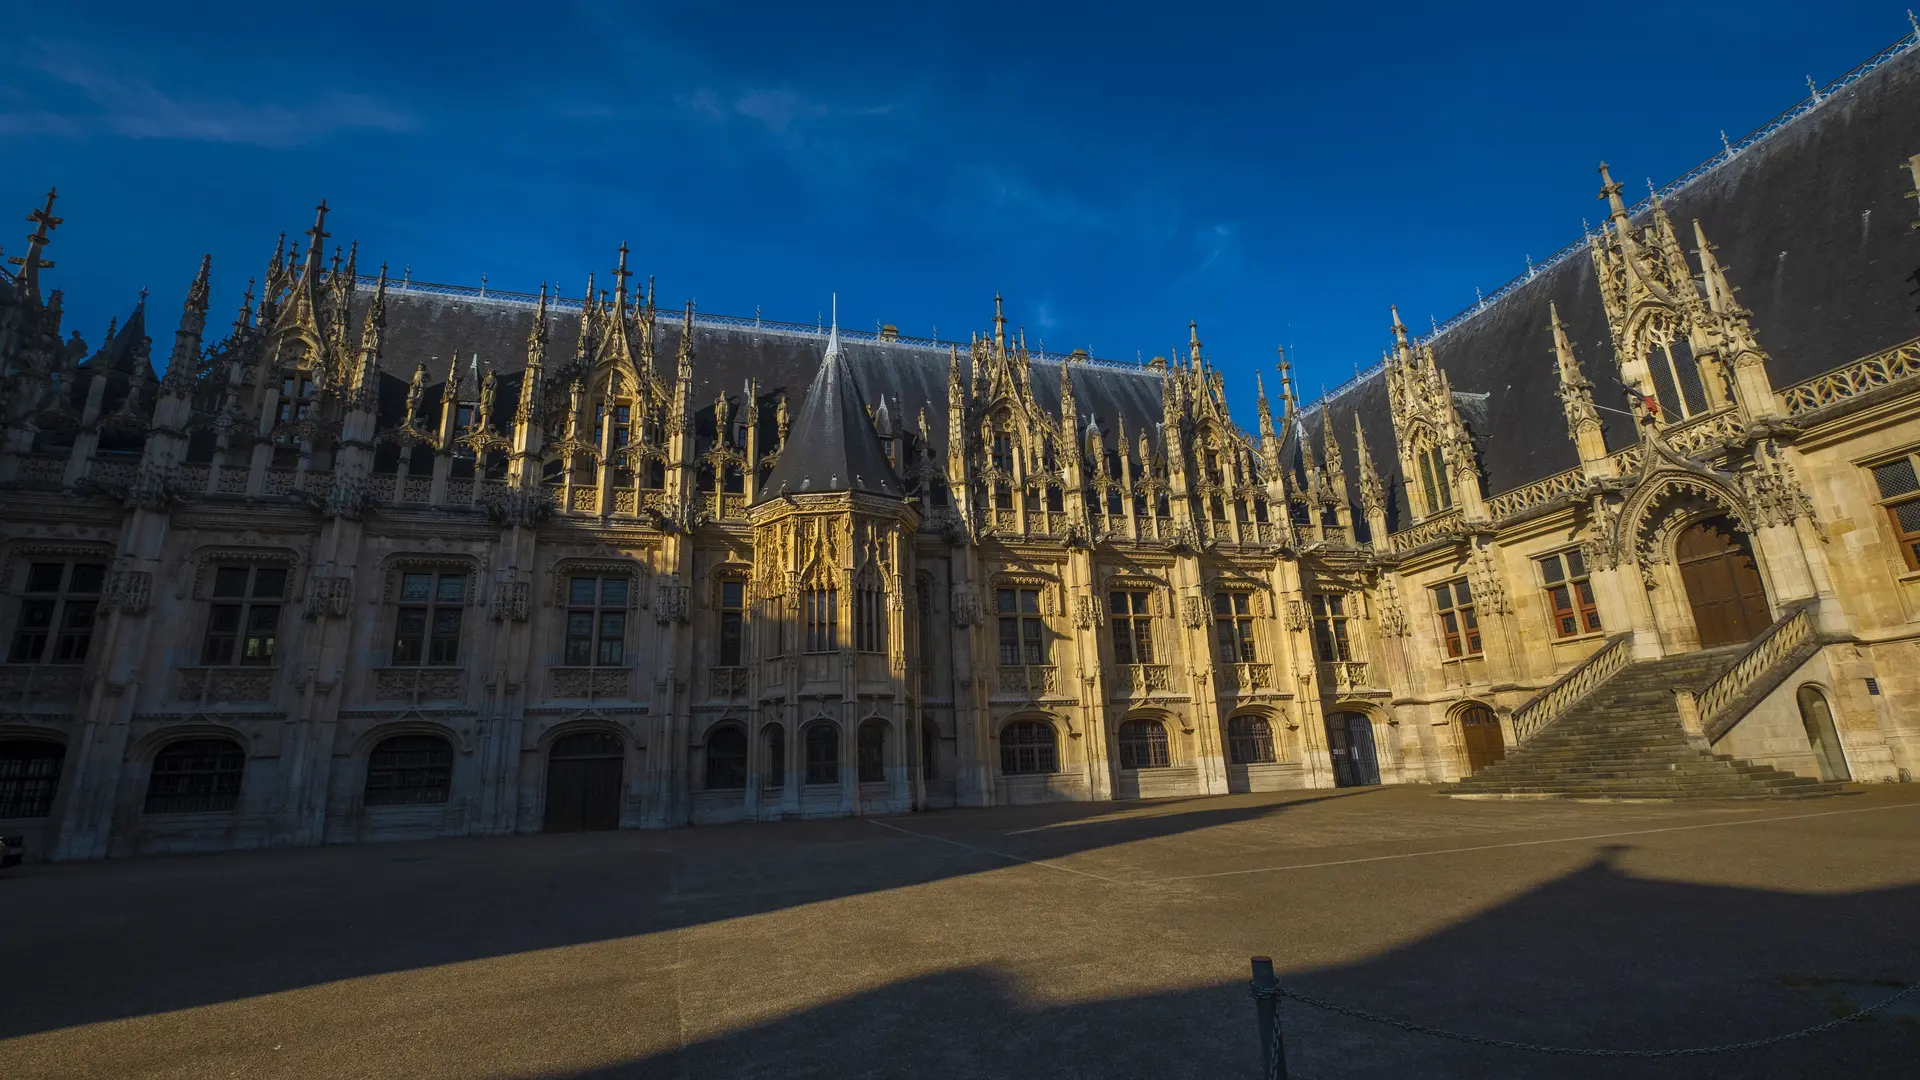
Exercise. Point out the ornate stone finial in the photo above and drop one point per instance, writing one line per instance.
(999, 324)
(1372, 493)
(31, 263)
(620, 275)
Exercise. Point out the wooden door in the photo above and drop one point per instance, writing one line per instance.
(1338, 750)
(1480, 731)
(583, 783)
(1723, 583)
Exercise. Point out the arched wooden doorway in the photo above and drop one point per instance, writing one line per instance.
(583, 782)
(1350, 745)
(1817, 717)
(1480, 733)
(1723, 583)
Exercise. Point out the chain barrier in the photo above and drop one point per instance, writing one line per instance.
(1278, 993)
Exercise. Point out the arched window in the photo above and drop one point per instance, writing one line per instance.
(1143, 745)
(823, 753)
(727, 758)
(1249, 740)
(873, 752)
(196, 776)
(29, 776)
(410, 769)
(823, 619)
(1027, 746)
(775, 774)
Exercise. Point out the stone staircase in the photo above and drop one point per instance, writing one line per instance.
(1624, 740)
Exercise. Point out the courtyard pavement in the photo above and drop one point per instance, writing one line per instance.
(1067, 941)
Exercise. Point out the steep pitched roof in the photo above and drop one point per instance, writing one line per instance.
(832, 445)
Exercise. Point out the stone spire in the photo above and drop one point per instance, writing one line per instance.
(183, 363)
(31, 263)
(1576, 398)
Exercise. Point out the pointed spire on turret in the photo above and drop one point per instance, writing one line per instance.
(1399, 328)
(535, 371)
(1289, 404)
(1193, 342)
(316, 241)
(1330, 452)
(1576, 400)
(1373, 500)
(183, 362)
(1719, 292)
(31, 263)
(999, 324)
(1616, 207)
(1069, 408)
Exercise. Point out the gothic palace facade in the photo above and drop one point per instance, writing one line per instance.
(391, 560)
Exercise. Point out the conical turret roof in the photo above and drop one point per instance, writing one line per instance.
(832, 445)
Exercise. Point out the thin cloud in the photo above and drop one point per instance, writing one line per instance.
(133, 108)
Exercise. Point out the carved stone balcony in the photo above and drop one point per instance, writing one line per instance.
(727, 682)
(416, 684)
(39, 682)
(1244, 678)
(1028, 680)
(1140, 678)
(1345, 675)
(217, 684)
(589, 682)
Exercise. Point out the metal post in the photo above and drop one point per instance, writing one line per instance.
(1266, 1011)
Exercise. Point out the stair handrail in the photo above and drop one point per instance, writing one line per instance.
(1566, 691)
(1776, 647)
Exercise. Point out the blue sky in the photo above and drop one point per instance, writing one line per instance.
(1279, 175)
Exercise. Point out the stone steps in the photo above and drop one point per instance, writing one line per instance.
(1625, 741)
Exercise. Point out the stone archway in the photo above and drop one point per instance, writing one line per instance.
(1722, 582)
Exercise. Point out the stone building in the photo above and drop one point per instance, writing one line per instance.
(385, 559)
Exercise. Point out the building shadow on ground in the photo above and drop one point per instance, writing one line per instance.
(1596, 958)
(126, 938)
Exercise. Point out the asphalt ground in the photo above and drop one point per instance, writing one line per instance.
(1105, 940)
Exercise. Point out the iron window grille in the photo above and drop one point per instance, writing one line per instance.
(1250, 740)
(427, 626)
(244, 619)
(196, 776)
(823, 754)
(727, 759)
(1143, 745)
(29, 776)
(1028, 747)
(410, 770)
(58, 609)
(872, 747)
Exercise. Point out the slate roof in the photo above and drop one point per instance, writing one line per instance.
(832, 445)
(1812, 225)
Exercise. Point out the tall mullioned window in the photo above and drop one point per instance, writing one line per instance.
(1023, 635)
(244, 620)
(597, 620)
(1330, 640)
(57, 612)
(1132, 627)
(733, 596)
(870, 619)
(1569, 593)
(1459, 626)
(823, 619)
(1899, 488)
(426, 629)
(1433, 479)
(1233, 627)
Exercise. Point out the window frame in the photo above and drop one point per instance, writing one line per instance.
(1233, 627)
(27, 788)
(253, 637)
(820, 608)
(1022, 743)
(397, 780)
(1332, 642)
(813, 766)
(1908, 541)
(1457, 621)
(1261, 742)
(1567, 584)
(1130, 610)
(1023, 639)
(1143, 735)
(431, 646)
(870, 752)
(593, 644)
(54, 637)
(728, 771)
(730, 630)
(222, 785)
(870, 618)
